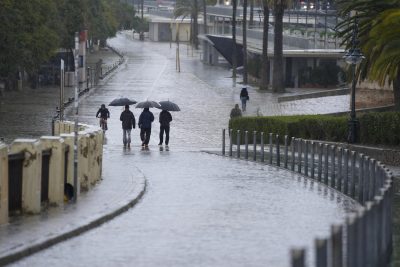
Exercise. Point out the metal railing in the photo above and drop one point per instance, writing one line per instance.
(365, 238)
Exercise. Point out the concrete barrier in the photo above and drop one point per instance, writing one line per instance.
(3, 184)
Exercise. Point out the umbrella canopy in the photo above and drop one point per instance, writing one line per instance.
(148, 104)
(169, 106)
(122, 102)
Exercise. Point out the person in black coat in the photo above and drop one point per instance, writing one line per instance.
(244, 96)
(145, 120)
(128, 122)
(164, 119)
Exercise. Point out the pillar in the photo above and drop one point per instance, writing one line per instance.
(3, 184)
(69, 142)
(83, 162)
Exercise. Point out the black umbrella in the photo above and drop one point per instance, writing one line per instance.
(148, 104)
(122, 102)
(169, 106)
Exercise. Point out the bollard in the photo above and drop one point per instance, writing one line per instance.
(361, 233)
(270, 148)
(4, 182)
(255, 145)
(299, 152)
(286, 152)
(351, 249)
(238, 144)
(230, 143)
(319, 162)
(306, 143)
(337, 246)
(370, 233)
(353, 175)
(321, 252)
(223, 142)
(346, 172)
(372, 190)
(298, 257)
(278, 153)
(326, 166)
(262, 147)
(340, 174)
(333, 166)
(366, 179)
(312, 159)
(361, 178)
(246, 144)
(293, 144)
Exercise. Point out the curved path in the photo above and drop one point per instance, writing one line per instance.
(199, 209)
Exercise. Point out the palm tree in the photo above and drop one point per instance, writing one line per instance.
(205, 16)
(264, 60)
(245, 42)
(234, 53)
(190, 8)
(379, 37)
(278, 82)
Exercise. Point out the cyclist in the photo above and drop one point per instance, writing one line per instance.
(104, 115)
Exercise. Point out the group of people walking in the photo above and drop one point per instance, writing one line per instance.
(146, 119)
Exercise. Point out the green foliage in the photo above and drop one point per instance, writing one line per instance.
(375, 128)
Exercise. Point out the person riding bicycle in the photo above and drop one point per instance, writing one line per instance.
(104, 115)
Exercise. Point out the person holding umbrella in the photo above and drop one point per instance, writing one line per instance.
(128, 122)
(164, 119)
(145, 120)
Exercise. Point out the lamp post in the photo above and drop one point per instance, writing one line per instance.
(353, 57)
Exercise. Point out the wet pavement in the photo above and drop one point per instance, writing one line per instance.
(199, 209)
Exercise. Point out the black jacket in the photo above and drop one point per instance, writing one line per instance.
(145, 119)
(244, 93)
(165, 118)
(104, 113)
(128, 119)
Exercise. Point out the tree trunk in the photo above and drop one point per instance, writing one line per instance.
(245, 78)
(264, 59)
(195, 26)
(278, 83)
(234, 56)
(205, 16)
(251, 19)
(396, 90)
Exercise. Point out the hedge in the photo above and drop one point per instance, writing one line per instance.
(375, 128)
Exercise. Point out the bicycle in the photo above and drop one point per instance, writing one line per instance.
(103, 124)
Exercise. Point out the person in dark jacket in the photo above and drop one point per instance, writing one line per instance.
(236, 112)
(128, 122)
(145, 120)
(164, 119)
(244, 96)
(104, 115)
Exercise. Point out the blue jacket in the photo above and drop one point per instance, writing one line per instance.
(145, 119)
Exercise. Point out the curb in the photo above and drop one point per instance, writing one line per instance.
(12, 257)
(324, 93)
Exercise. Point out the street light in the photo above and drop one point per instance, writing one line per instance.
(353, 57)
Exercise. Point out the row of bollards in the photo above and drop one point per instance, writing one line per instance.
(365, 239)
(110, 68)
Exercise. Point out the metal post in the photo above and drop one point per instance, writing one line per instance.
(238, 144)
(255, 145)
(366, 179)
(326, 166)
(286, 152)
(278, 153)
(320, 162)
(361, 233)
(321, 252)
(351, 240)
(298, 257)
(306, 143)
(339, 174)
(293, 146)
(312, 159)
(299, 152)
(361, 178)
(353, 175)
(372, 190)
(270, 148)
(346, 172)
(333, 166)
(337, 246)
(246, 144)
(262, 147)
(76, 118)
(223, 142)
(230, 142)
(62, 91)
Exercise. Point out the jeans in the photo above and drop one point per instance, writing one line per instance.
(243, 99)
(126, 136)
(166, 129)
(145, 135)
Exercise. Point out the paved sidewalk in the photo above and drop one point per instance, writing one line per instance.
(122, 186)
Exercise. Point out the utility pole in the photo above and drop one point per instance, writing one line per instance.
(76, 118)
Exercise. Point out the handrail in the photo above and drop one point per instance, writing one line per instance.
(356, 175)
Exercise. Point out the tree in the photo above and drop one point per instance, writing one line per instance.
(184, 8)
(379, 36)
(234, 53)
(278, 82)
(245, 80)
(264, 60)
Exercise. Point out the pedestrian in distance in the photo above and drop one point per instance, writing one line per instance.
(128, 122)
(164, 119)
(104, 114)
(244, 97)
(145, 120)
(236, 112)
